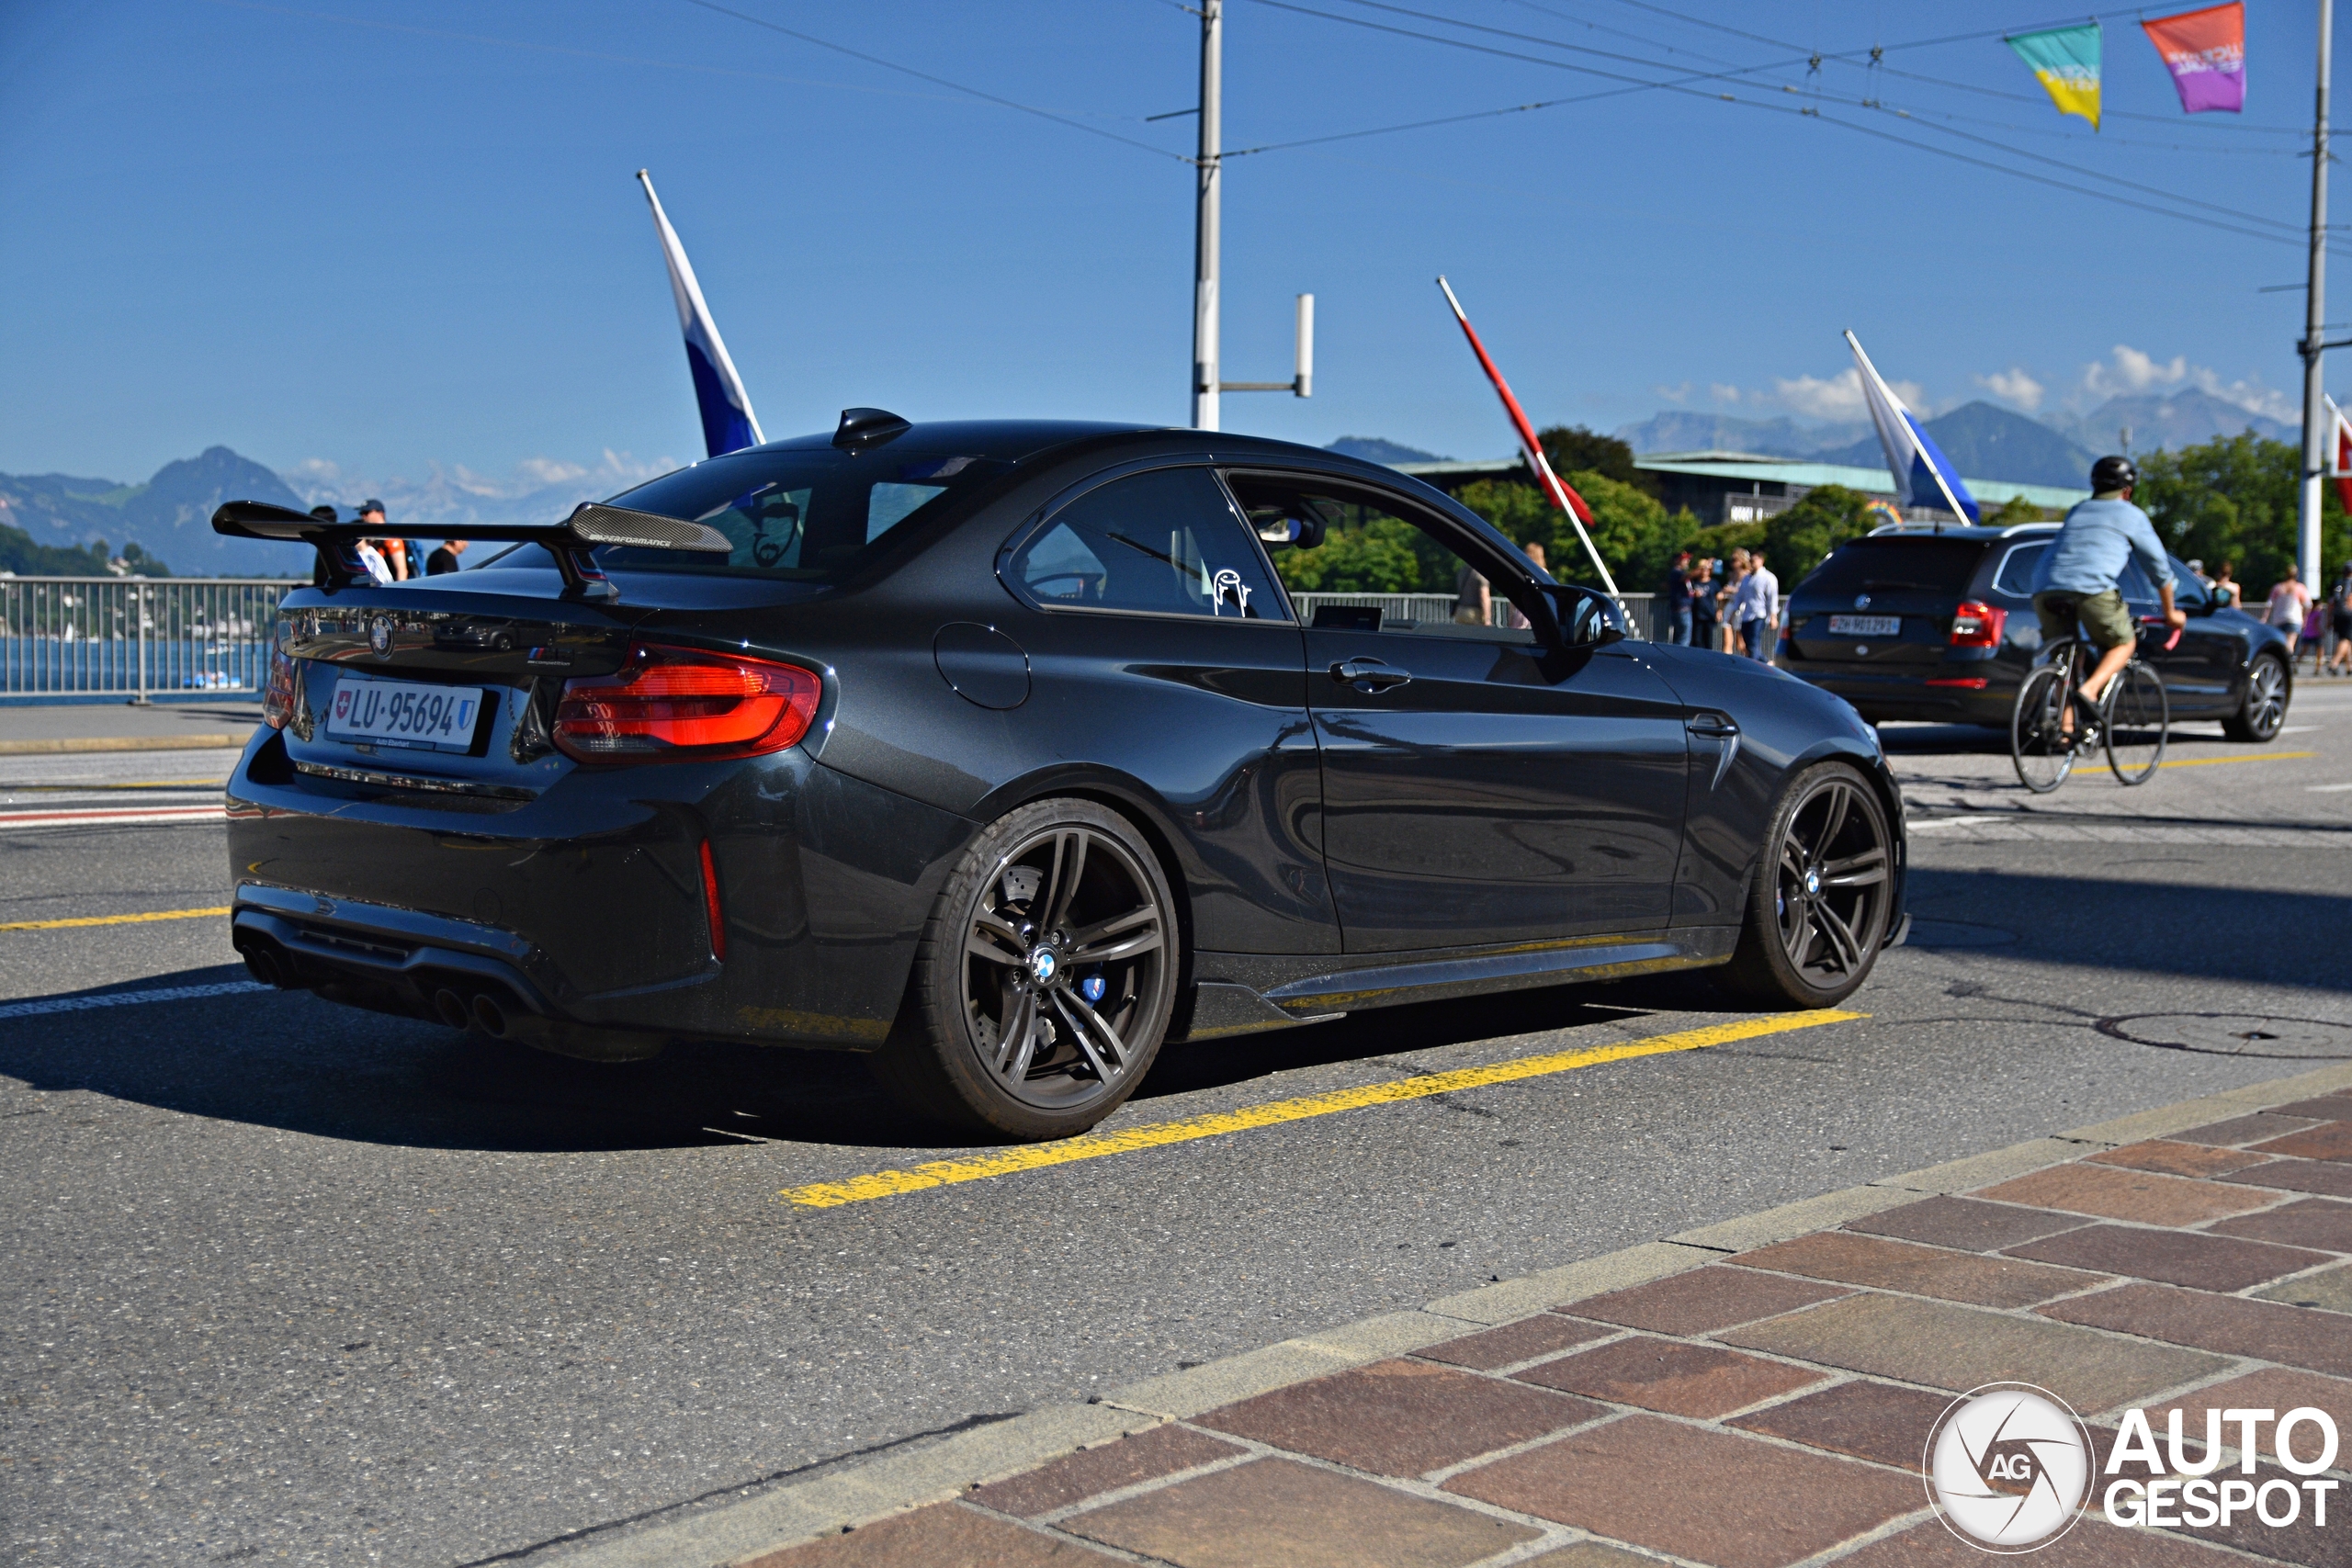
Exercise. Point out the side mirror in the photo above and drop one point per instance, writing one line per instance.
(1583, 617)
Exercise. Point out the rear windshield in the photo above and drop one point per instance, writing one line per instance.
(1894, 560)
(794, 515)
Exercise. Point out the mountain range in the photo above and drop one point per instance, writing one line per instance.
(169, 516)
(1985, 440)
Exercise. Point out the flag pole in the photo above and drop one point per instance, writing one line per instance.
(1957, 511)
(1562, 496)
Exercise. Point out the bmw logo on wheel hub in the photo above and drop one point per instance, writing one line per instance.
(1813, 884)
(1044, 964)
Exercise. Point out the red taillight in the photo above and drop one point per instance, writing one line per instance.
(278, 696)
(668, 702)
(1974, 683)
(1977, 626)
(710, 904)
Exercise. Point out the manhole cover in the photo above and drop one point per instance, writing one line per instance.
(1957, 933)
(2235, 1034)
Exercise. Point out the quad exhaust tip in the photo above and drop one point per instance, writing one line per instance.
(264, 966)
(490, 1018)
(452, 1008)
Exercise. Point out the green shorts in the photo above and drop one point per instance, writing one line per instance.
(2101, 614)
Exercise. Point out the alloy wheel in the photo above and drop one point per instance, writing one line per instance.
(1831, 883)
(2266, 699)
(1065, 953)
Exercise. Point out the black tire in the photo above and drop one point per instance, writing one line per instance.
(2040, 745)
(2138, 725)
(1044, 978)
(1817, 903)
(2264, 712)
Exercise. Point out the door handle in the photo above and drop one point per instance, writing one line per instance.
(1369, 675)
(1710, 723)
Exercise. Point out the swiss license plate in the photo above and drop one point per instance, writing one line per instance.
(1865, 625)
(404, 713)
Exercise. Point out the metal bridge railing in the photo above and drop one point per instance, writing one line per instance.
(134, 637)
(1425, 607)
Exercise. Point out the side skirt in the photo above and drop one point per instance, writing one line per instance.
(1245, 993)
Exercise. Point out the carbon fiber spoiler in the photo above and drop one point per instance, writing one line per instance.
(571, 542)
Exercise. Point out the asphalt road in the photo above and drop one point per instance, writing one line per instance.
(284, 1283)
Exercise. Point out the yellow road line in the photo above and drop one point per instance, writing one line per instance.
(110, 920)
(1097, 1146)
(2209, 761)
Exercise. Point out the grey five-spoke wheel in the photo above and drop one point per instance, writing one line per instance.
(1819, 902)
(2264, 712)
(1045, 977)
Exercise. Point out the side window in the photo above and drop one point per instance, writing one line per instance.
(2018, 569)
(1353, 560)
(1165, 541)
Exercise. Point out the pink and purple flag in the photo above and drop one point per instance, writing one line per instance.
(2205, 51)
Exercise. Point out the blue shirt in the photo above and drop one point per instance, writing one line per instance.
(2089, 554)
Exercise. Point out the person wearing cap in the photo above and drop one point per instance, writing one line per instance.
(2077, 580)
(392, 552)
(445, 559)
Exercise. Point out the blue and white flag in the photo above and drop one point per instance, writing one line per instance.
(727, 423)
(1918, 466)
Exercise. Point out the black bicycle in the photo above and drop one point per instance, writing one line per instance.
(2054, 725)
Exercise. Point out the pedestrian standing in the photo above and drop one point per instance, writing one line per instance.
(1474, 602)
(1513, 616)
(1702, 603)
(1756, 608)
(1734, 576)
(1675, 591)
(2290, 603)
(445, 559)
(2225, 588)
(2339, 613)
(388, 550)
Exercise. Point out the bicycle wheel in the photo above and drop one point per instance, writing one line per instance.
(2139, 722)
(2039, 745)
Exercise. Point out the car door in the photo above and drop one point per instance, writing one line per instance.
(1163, 651)
(1478, 787)
(2199, 669)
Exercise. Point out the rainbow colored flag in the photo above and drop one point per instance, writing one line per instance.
(2205, 51)
(2066, 62)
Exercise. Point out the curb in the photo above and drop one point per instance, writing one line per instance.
(833, 1504)
(121, 743)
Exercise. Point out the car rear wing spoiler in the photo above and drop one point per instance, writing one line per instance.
(571, 542)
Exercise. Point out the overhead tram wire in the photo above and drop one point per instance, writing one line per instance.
(1681, 85)
(713, 6)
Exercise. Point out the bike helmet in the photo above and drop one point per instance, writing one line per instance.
(2114, 473)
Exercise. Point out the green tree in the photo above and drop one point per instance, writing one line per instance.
(21, 554)
(1797, 540)
(1362, 554)
(1634, 534)
(2014, 511)
(1575, 449)
(2233, 499)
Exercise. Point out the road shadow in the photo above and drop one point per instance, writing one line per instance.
(290, 1061)
(1899, 740)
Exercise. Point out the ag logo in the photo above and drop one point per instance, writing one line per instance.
(379, 634)
(2008, 1467)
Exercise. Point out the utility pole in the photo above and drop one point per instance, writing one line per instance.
(2316, 426)
(1210, 178)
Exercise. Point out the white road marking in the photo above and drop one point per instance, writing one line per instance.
(2326, 789)
(118, 816)
(128, 998)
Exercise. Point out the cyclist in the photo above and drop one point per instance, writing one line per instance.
(2079, 572)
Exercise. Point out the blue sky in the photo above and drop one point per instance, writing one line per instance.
(388, 236)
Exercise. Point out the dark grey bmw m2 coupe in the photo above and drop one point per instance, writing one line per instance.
(1000, 751)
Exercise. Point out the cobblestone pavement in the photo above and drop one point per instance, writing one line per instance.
(1766, 1405)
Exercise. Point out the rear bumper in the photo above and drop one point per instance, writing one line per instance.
(1910, 697)
(579, 915)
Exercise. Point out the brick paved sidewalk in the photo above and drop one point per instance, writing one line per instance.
(1759, 1405)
